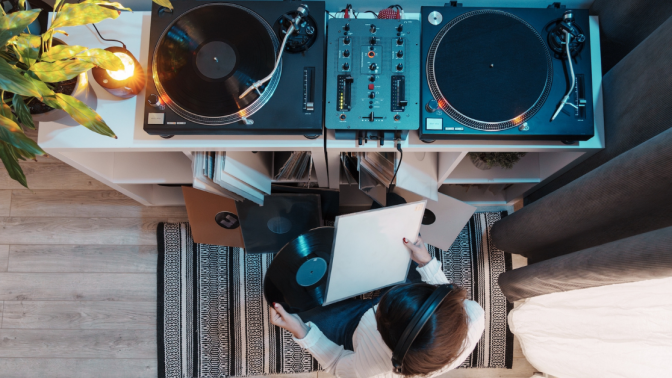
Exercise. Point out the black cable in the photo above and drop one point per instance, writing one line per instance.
(329, 14)
(108, 40)
(396, 6)
(401, 158)
(372, 12)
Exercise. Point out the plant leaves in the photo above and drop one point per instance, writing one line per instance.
(59, 71)
(164, 3)
(22, 111)
(28, 48)
(11, 133)
(13, 24)
(115, 5)
(102, 58)
(80, 112)
(61, 52)
(12, 81)
(82, 14)
(12, 164)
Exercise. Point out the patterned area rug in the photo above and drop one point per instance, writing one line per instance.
(214, 322)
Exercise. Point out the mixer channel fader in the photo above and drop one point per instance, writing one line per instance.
(372, 78)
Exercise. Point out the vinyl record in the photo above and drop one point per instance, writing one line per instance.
(297, 276)
(266, 229)
(209, 56)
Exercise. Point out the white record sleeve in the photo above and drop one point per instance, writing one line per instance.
(369, 252)
(448, 217)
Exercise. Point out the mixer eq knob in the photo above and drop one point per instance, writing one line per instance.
(373, 28)
(400, 28)
(400, 53)
(346, 40)
(373, 66)
(346, 66)
(400, 41)
(346, 27)
(400, 67)
(346, 53)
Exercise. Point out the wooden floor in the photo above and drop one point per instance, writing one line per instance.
(78, 282)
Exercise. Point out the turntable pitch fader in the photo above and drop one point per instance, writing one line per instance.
(372, 78)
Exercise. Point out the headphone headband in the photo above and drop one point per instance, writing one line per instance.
(417, 322)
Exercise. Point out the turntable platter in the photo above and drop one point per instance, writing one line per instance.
(207, 57)
(489, 70)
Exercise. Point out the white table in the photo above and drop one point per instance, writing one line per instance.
(136, 163)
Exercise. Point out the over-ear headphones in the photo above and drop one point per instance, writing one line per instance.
(417, 322)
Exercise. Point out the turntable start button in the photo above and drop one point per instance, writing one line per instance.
(434, 124)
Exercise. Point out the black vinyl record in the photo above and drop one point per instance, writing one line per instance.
(266, 229)
(297, 276)
(209, 56)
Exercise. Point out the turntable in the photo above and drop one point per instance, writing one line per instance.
(212, 68)
(504, 73)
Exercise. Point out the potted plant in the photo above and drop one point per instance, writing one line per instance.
(487, 160)
(36, 73)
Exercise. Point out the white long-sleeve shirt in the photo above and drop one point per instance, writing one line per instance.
(371, 356)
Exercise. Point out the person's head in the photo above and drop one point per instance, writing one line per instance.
(441, 339)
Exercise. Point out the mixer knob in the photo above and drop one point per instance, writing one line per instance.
(373, 40)
(400, 67)
(400, 28)
(346, 66)
(372, 78)
(346, 53)
(432, 106)
(372, 95)
(373, 28)
(400, 53)
(346, 27)
(373, 66)
(346, 40)
(400, 41)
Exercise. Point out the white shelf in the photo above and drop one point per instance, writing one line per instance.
(524, 171)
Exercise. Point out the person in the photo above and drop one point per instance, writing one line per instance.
(355, 338)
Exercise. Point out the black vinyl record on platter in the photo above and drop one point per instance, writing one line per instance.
(297, 276)
(208, 57)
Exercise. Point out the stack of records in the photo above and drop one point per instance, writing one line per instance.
(293, 166)
(372, 171)
(233, 174)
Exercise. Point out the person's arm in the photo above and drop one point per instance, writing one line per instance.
(428, 267)
(333, 358)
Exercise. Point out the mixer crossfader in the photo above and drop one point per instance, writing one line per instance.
(372, 78)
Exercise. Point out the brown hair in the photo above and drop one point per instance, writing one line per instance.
(439, 342)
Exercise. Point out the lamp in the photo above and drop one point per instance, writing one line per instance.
(124, 83)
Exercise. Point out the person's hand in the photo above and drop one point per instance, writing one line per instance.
(419, 252)
(290, 322)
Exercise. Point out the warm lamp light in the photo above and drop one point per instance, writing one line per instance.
(129, 67)
(124, 83)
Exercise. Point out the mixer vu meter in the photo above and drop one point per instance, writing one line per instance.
(372, 78)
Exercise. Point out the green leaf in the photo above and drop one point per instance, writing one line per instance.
(28, 48)
(61, 52)
(164, 3)
(59, 71)
(115, 5)
(102, 58)
(11, 133)
(11, 80)
(22, 154)
(13, 24)
(82, 14)
(12, 164)
(80, 112)
(22, 111)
